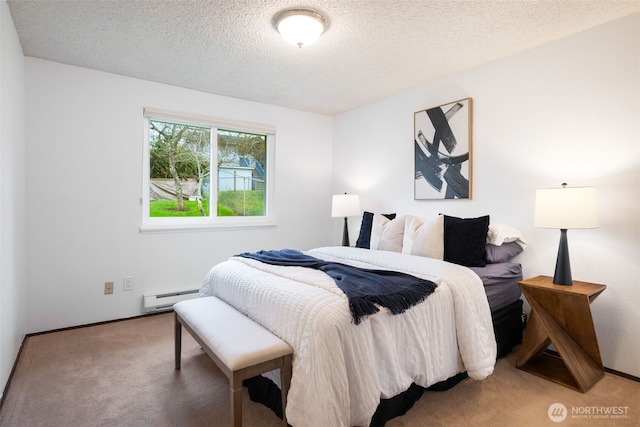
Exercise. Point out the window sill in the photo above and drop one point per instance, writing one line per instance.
(240, 224)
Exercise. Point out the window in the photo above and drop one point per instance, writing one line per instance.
(202, 172)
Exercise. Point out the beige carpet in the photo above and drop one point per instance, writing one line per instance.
(122, 374)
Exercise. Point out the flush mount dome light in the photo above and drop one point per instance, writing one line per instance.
(300, 27)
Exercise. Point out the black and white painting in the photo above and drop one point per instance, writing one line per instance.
(442, 143)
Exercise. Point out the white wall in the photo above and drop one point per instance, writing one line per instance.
(565, 112)
(12, 203)
(84, 145)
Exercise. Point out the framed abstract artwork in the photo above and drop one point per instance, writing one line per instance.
(442, 144)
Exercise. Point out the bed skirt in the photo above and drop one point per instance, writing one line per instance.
(507, 325)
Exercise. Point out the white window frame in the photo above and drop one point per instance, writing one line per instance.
(170, 224)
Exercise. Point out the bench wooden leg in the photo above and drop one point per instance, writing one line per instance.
(178, 341)
(236, 400)
(285, 382)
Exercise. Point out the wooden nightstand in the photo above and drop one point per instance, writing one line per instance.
(560, 315)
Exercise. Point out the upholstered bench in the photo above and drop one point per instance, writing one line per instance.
(240, 347)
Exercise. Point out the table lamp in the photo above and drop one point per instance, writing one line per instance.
(345, 205)
(564, 208)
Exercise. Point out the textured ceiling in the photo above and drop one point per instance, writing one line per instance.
(371, 49)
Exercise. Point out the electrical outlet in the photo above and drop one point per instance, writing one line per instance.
(108, 288)
(127, 283)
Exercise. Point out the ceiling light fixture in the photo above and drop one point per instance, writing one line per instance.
(300, 27)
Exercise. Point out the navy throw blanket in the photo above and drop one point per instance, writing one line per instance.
(364, 288)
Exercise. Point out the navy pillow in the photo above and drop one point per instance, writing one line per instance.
(465, 240)
(364, 238)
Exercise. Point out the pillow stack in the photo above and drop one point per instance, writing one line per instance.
(472, 242)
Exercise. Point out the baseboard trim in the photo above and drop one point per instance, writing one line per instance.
(105, 322)
(13, 370)
(622, 374)
(607, 370)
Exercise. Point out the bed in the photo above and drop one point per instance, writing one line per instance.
(348, 374)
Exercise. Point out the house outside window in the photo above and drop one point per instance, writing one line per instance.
(206, 173)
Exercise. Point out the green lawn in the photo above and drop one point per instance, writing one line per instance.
(165, 208)
(230, 203)
(242, 203)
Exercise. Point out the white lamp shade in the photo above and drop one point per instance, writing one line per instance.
(344, 205)
(565, 208)
(300, 27)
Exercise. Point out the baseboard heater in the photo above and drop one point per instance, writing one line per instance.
(165, 301)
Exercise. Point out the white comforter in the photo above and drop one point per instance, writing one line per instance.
(340, 370)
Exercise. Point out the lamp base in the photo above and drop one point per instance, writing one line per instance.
(345, 234)
(562, 274)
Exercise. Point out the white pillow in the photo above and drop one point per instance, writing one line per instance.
(424, 238)
(502, 233)
(386, 234)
